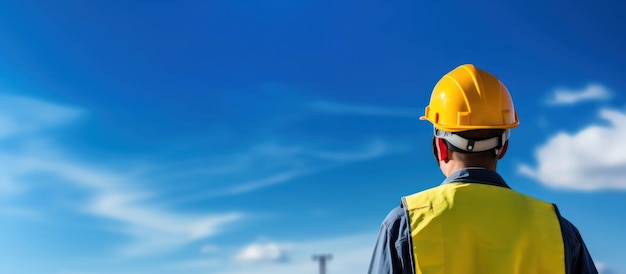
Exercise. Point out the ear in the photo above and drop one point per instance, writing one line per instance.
(503, 150)
(442, 147)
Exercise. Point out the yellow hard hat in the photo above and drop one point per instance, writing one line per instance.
(469, 98)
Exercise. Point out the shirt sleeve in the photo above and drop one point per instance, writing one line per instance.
(392, 251)
(577, 257)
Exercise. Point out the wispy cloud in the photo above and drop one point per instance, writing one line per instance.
(265, 182)
(116, 198)
(21, 213)
(192, 266)
(246, 186)
(364, 110)
(290, 162)
(123, 198)
(591, 159)
(156, 230)
(8, 183)
(209, 249)
(371, 150)
(590, 92)
(19, 115)
(110, 195)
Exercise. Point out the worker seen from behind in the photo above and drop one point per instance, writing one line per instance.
(474, 222)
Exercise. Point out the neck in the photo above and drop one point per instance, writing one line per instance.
(452, 166)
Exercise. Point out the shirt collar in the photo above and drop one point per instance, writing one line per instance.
(476, 175)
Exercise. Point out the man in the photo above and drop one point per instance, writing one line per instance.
(473, 222)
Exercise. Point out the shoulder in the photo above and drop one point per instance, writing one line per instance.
(577, 257)
(571, 235)
(396, 224)
(395, 217)
(569, 231)
(396, 228)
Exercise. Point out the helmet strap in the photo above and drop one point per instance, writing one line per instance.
(457, 143)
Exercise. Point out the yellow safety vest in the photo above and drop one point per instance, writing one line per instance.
(478, 228)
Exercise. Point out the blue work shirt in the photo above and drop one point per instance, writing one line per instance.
(392, 253)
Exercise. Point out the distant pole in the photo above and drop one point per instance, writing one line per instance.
(322, 258)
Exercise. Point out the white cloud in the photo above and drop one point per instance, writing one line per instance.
(603, 268)
(351, 254)
(591, 159)
(364, 110)
(262, 252)
(569, 97)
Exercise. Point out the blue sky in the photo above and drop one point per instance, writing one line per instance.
(245, 136)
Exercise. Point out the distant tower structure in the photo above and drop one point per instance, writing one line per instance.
(322, 258)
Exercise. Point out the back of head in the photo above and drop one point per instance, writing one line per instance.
(471, 111)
